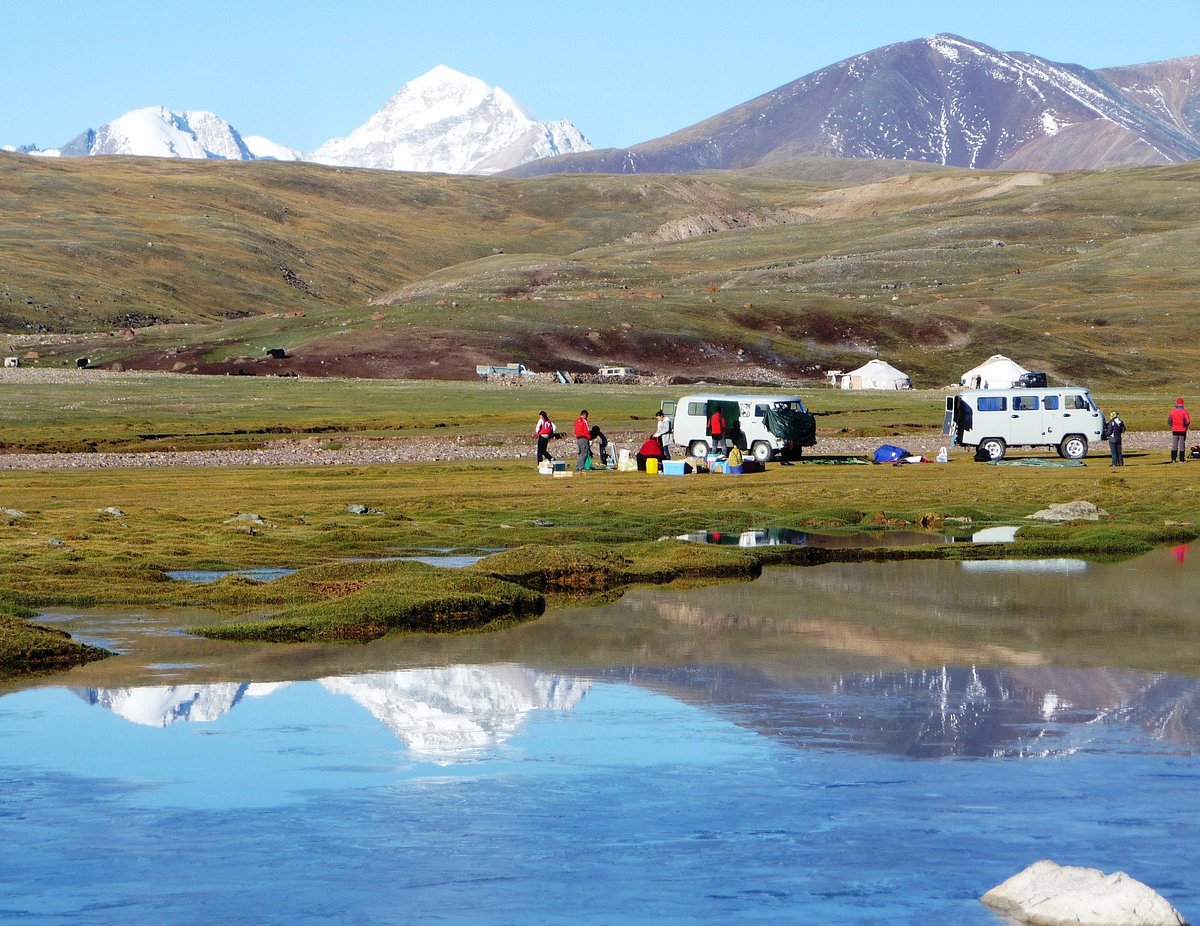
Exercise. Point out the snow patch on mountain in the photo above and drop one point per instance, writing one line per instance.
(448, 122)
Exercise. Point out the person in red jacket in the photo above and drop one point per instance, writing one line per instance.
(716, 427)
(583, 441)
(1179, 421)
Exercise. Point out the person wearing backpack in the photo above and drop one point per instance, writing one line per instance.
(543, 431)
(1114, 429)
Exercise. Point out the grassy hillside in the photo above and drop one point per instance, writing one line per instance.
(740, 277)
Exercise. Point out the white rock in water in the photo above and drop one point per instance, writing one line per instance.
(1049, 894)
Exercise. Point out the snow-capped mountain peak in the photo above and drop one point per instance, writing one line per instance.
(156, 131)
(448, 122)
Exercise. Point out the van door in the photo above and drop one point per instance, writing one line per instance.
(991, 418)
(1079, 415)
(1052, 424)
(1027, 419)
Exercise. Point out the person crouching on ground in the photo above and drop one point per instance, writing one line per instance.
(1179, 421)
(543, 431)
(583, 441)
(1116, 428)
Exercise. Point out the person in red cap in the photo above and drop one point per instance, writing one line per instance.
(1179, 421)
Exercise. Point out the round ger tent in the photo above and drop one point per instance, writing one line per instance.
(997, 372)
(876, 374)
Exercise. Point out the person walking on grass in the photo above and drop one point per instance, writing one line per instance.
(583, 441)
(543, 431)
(1116, 428)
(1179, 421)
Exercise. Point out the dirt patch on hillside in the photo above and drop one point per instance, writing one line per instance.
(904, 192)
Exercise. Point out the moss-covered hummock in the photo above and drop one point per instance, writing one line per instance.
(356, 602)
(27, 648)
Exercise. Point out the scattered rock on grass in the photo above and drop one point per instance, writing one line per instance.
(249, 516)
(1049, 894)
(12, 513)
(542, 522)
(1069, 511)
(363, 509)
(115, 512)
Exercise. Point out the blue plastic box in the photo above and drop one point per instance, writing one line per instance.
(674, 468)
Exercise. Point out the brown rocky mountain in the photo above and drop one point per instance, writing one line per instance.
(944, 100)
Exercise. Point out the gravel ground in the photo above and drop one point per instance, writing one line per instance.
(358, 452)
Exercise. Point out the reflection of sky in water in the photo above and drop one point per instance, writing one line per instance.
(630, 807)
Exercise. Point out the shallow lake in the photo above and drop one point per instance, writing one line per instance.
(849, 743)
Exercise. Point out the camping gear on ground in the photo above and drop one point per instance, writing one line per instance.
(650, 450)
(652, 466)
(546, 468)
(1194, 453)
(943, 456)
(734, 458)
(674, 468)
(889, 453)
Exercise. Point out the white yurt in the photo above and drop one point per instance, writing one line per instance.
(876, 374)
(997, 372)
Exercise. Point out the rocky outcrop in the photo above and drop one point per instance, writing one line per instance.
(1069, 511)
(1049, 894)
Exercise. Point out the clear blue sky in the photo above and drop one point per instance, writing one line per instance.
(303, 71)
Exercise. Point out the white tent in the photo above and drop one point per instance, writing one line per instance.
(997, 372)
(876, 374)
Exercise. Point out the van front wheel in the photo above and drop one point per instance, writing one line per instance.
(994, 447)
(1074, 447)
(761, 451)
(698, 448)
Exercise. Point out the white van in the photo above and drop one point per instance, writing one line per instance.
(760, 425)
(1062, 417)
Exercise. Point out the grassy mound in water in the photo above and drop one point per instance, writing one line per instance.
(356, 602)
(576, 568)
(31, 648)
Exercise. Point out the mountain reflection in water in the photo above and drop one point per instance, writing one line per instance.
(439, 713)
(447, 713)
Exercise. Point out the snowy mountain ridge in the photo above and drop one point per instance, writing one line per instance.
(442, 121)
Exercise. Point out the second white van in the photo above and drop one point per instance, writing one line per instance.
(1062, 417)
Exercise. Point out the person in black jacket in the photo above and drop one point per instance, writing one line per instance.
(1115, 428)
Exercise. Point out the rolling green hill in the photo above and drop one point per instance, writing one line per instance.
(755, 276)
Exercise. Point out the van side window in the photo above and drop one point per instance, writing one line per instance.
(991, 403)
(696, 408)
(760, 411)
(1025, 403)
(1077, 402)
(1050, 403)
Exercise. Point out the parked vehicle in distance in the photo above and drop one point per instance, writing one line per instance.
(1062, 417)
(761, 426)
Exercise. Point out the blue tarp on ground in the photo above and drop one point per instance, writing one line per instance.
(888, 453)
